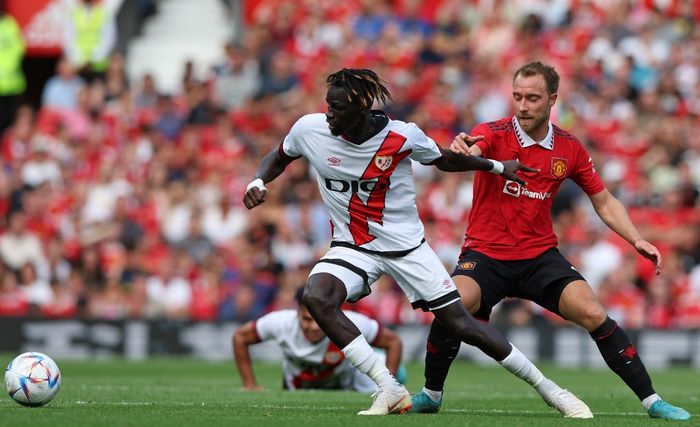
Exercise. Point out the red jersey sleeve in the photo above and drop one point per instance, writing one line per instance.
(585, 174)
(485, 144)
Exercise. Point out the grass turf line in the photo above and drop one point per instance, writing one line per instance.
(186, 392)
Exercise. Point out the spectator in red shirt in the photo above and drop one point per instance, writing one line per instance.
(13, 301)
(64, 303)
(511, 249)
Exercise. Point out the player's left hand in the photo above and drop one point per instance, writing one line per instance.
(512, 166)
(650, 252)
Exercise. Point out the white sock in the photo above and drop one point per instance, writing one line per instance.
(520, 366)
(546, 386)
(435, 396)
(361, 355)
(647, 402)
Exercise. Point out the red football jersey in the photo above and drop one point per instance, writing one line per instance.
(509, 221)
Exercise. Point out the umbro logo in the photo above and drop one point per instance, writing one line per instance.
(333, 161)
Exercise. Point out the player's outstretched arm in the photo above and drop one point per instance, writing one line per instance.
(243, 338)
(458, 162)
(390, 342)
(271, 166)
(615, 216)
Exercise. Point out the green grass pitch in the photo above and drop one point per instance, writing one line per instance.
(186, 392)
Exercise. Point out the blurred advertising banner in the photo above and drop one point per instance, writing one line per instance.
(41, 23)
(139, 339)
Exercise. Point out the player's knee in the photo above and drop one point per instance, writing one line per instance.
(321, 295)
(592, 316)
(313, 298)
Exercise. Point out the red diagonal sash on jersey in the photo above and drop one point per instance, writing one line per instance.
(331, 359)
(381, 167)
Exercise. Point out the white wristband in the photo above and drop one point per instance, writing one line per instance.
(256, 183)
(497, 168)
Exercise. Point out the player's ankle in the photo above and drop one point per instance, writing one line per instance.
(386, 380)
(435, 396)
(546, 387)
(649, 400)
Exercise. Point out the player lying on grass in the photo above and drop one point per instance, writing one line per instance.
(361, 158)
(311, 360)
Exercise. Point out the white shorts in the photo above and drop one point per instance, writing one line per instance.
(420, 274)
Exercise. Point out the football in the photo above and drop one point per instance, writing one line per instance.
(32, 379)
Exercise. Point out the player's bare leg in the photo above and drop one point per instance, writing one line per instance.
(323, 296)
(443, 347)
(579, 304)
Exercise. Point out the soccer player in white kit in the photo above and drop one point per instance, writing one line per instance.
(311, 360)
(366, 183)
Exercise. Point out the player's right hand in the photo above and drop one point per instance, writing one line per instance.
(255, 194)
(462, 143)
(650, 252)
(512, 166)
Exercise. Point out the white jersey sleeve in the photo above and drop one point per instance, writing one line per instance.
(423, 148)
(274, 325)
(293, 146)
(369, 328)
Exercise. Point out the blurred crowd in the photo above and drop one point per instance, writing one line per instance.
(120, 201)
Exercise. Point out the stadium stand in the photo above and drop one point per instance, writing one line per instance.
(126, 198)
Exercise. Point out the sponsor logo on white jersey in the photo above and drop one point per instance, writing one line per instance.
(514, 189)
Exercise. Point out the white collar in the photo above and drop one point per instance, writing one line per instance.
(526, 141)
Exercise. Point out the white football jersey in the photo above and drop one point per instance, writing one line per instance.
(368, 189)
(305, 362)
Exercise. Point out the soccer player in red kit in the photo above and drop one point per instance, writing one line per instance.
(510, 248)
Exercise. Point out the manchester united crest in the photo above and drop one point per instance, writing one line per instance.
(559, 167)
(469, 265)
(383, 162)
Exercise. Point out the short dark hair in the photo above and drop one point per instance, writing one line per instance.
(362, 85)
(299, 295)
(551, 77)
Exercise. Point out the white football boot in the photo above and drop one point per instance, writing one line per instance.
(569, 405)
(389, 400)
